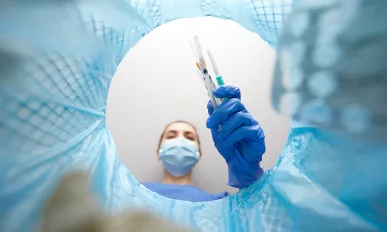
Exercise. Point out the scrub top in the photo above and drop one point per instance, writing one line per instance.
(183, 192)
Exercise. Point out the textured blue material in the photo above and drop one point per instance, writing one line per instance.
(56, 62)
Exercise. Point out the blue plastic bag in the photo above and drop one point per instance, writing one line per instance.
(57, 59)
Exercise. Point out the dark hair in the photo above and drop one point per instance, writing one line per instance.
(178, 121)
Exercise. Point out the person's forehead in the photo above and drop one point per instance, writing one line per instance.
(180, 126)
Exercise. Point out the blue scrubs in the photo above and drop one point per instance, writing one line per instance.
(183, 192)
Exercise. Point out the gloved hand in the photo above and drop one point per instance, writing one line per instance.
(240, 139)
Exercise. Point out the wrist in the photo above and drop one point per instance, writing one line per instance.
(241, 173)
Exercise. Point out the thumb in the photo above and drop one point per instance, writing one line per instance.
(227, 91)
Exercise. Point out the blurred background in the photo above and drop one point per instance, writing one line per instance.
(156, 83)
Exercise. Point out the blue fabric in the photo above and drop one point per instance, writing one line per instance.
(183, 192)
(57, 59)
(237, 136)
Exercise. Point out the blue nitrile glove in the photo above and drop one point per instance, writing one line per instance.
(240, 140)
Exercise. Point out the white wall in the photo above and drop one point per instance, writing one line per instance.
(157, 83)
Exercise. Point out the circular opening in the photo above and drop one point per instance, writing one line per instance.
(157, 83)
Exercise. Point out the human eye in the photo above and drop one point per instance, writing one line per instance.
(170, 135)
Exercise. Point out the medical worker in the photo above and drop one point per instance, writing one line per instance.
(237, 136)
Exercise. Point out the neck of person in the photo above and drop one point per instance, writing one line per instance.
(183, 180)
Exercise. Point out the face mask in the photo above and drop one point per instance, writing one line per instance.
(179, 155)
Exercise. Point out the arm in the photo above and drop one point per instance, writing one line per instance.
(240, 139)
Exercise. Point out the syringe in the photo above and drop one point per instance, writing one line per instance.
(210, 85)
(219, 78)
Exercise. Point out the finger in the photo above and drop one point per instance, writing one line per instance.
(234, 122)
(227, 91)
(215, 136)
(253, 132)
(224, 111)
(210, 108)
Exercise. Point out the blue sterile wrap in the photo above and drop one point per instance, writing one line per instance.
(57, 59)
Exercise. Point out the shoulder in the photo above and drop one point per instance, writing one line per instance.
(221, 195)
(184, 192)
(211, 196)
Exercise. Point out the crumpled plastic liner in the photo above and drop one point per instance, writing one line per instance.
(57, 59)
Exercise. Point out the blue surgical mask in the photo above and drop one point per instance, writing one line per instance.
(179, 155)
